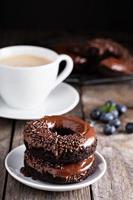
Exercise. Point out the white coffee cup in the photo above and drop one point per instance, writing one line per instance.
(27, 87)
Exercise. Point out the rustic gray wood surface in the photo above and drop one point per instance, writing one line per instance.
(117, 183)
(5, 138)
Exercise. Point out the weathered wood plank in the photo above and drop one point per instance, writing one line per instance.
(5, 136)
(16, 191)
(117, 183)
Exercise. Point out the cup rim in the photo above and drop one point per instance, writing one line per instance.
(29, 67)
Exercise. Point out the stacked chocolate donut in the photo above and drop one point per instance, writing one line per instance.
(59, 149)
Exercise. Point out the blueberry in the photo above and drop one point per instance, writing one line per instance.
(109, 130)
(121, 108)
(115, 122)
(115, 113)
(111, 102)
(95, 114)
(106, 117)
(129, 128)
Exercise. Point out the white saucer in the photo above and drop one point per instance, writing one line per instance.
(61, 100)
(14, 162)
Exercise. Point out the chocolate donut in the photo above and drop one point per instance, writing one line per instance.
(59, 174)
(109, 57)
(98, 56)
(115, 66)
(102, 48)
(60, 139)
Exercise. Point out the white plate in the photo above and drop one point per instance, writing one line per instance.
(14, 162)
(61, 100)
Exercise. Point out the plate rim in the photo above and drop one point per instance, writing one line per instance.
(72, 106)
(54, 187)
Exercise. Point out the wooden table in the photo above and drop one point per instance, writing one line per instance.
(117, 183)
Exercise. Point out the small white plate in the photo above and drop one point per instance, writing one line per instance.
(14, 162)
(61, 100)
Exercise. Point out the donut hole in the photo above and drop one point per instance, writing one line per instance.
(63, 131)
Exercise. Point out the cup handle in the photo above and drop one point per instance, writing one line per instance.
(67, 70)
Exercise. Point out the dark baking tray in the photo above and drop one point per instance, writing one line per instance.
(92, 80)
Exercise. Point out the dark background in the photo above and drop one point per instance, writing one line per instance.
(112, 15)
(48, 23)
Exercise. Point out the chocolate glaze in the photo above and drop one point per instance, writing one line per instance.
(44, 133)
(59, 170)
(73, 123)
(105, 48)
(116, 64)
(47, 177)
(109, 57)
